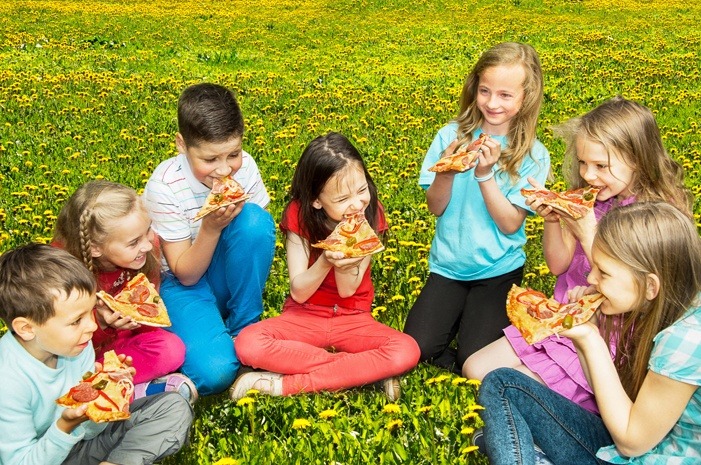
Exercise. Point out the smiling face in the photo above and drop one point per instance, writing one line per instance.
(345, 192)
(210, 160)
(600, 168)
(67, 333)
(128, 243)
(499, 96)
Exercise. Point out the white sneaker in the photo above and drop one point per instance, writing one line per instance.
(263, 381)
(392, 388)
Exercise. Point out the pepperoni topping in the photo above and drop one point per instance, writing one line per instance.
(84, 392)
(368, 244)
(147, 309)
(139, 294)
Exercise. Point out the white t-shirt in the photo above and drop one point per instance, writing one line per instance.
(173, 196)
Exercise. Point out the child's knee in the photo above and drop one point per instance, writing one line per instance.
(251, 345)
(215, 377)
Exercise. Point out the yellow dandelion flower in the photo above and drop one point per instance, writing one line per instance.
(301, 423)
(470, 416)
(391, 408)
(227, 461)
(397, 297)
(468, 449)
(458, 381)
(474, 382)
(474, 407)
(425, 409)
(329, 413)
(394, 425)
(245, 401)
(467, 430)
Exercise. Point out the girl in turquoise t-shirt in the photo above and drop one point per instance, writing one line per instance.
(477, 251)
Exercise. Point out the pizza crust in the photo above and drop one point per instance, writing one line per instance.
(225, 191)
(462, 158)
(537, 317)
(139, 292)
(353, 236)
(575, 203)
(110, 389)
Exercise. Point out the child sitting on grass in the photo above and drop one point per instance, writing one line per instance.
(46, 301)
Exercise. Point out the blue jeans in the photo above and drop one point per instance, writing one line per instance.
(520, 412)
(226, 299)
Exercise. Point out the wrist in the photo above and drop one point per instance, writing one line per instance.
(486, 177)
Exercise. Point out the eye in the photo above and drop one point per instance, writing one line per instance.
(234, 155)
(602, 166)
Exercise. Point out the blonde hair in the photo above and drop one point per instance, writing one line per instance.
(649, 238)
(522, 128)
(629, 130)
(88, 216)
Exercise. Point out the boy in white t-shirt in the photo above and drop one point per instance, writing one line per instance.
(215, 269)
(46, 301)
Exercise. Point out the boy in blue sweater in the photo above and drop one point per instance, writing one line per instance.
(46, 301)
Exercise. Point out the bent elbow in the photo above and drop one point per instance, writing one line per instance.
(632, 449)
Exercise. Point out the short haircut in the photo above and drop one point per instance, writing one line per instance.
(33, 276)
(208, 113)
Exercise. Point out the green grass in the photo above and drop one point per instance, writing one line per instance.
(89, 89)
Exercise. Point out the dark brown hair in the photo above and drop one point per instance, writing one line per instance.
(208, 113)
(33, 276)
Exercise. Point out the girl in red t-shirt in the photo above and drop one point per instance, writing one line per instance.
(325, 338)
(105, 225)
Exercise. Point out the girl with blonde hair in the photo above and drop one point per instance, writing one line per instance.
(647, 263)
(105, 225)
(477, 251)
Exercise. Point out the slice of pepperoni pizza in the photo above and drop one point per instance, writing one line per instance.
(107, 392)
(575, 203)
(225, 191)
(461, 159)
(536, 316)
(139, 300)
(353, 236)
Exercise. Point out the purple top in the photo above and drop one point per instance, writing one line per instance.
(555, 359)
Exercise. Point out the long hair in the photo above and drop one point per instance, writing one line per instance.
(88, 216)
(629, 130)
(522, 128)
(324, 157)
(33, 276)
(657, 238)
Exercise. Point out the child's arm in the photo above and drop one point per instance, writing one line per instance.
(189, 260)
(506, 215)
(636, 427)
(305, 280)
(439, 192)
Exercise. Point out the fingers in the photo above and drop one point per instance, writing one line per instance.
(533, 182)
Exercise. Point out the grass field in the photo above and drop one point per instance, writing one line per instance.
(88, 90)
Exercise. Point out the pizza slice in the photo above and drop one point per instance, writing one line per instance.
(225, 191)
(575, 203)
(139, 300)
(461, 159)
(353, 236)
(107, 392)
(536, 316)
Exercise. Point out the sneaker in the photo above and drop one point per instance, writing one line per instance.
(478, 439)
(174, 382)
(262, 381)
(392, 388)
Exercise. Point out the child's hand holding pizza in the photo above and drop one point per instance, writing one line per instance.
(221, 217)
(107, 317)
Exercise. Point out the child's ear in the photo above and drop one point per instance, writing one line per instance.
(652, 286)
(24, 328)
(95, 251)
(180, 143)
(316, 204)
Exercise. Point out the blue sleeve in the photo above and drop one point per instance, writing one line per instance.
(537, 166)
(676, 353)
(443, 139)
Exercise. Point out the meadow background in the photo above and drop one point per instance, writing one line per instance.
(88, 90)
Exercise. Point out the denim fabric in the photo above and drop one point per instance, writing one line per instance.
(228, 298)
(520, 413)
